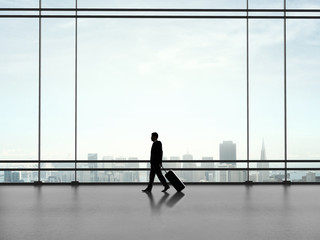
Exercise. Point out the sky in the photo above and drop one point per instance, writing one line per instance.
(185, 79)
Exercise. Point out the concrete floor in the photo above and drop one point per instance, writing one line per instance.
(124, 212)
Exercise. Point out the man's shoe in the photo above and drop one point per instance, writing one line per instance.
(165, 189)
(146, 190)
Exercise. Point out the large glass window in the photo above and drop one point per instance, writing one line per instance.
(58, 83)
(108, 81)
(18, 91)
(58, 92)
(303, 90)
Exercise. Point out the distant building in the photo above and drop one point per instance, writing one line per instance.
(119, 164)
(263, 175)
(188, 175)
(222, 176)
(187, 156)
(15, 177)
(92, 156)
(10, 176)
(237, 176)
(208, 175)
(7, 176)
(174, 158)
(52, 179)
(310, 177)
(228, 151)
(107, 165)
(175, 164)
(133, 176)
(119, 175)
(134, 164)
(108, 175)
(93, 174)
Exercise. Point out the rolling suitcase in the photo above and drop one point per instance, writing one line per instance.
(174, 180)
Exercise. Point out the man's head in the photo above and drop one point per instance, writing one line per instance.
(154, 136)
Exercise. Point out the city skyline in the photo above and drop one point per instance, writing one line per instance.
(214, 175)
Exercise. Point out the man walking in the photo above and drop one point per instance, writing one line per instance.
(156, 164)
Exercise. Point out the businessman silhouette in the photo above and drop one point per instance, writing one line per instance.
(156, 164)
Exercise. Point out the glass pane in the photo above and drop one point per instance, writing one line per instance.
(304, 176)
(266, 89)
(19, 88)
(305, 4)
(221, 176)
(58, 4)
(58, 84)
(19, 3)
(267, 176)
(303, 51)
(57, 176)
(18, 176)
(170, 76)
(269, 4)
(113, 176)
(18, 165)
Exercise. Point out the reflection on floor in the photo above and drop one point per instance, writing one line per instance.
(124, 212)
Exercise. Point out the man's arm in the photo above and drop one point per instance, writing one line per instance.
(160, 153)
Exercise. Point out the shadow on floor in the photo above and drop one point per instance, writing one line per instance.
(164, 200)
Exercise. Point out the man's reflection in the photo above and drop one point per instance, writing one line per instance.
(175, 198)
(156, 207)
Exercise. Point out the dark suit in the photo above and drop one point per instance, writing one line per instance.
(156, 162)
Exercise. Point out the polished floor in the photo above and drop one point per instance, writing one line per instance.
(124, 212)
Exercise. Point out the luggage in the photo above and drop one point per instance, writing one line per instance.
(174, 180)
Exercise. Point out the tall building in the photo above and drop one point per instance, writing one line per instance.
(109, 175)
(7, 176)
(310, 177)
(10, 176)
(93, 174)
(92, 156)
(107, 164)
(134, 176)
(263, 152)
(208, 175)
(222, 176)
(188, 175)
(228, 151)
(263, 175)
(119, 175)
(134, 164)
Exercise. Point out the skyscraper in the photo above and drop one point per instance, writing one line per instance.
(119, 175)
(228, 151)
(263, 175)
(7, 176)
(188, 175)
(93, 174)
(109, 175)
(208, 175)
(92, 156)
(263, 152)
(135, 175)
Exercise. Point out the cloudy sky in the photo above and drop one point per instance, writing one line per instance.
(185, 79)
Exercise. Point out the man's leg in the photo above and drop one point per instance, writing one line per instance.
(161, 177)
(151, 178)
